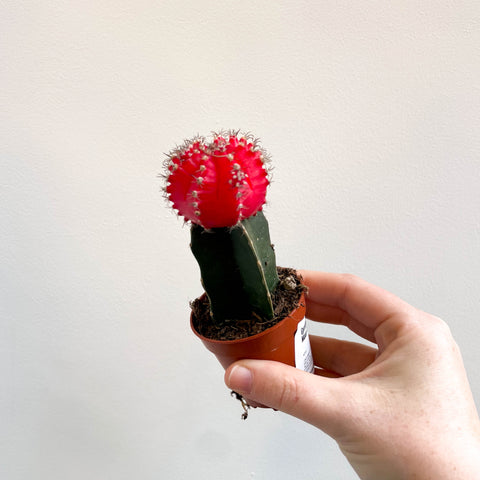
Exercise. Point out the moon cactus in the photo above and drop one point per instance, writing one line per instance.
(220, 188)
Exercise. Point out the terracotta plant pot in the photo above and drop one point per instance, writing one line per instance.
(285, 342)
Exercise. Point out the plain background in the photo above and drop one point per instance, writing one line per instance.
(371, 113)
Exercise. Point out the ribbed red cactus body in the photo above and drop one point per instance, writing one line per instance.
(217, 184)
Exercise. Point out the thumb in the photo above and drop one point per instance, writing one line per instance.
(309, 397)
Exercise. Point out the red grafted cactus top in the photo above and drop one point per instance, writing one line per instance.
(217, 184)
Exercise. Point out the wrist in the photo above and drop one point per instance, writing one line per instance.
(457, 459)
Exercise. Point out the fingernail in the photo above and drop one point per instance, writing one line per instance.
(240, 380)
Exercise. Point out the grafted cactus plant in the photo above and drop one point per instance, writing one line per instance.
(219, 186)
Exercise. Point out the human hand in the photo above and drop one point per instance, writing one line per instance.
(399, 411)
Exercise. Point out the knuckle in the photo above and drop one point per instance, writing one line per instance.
(350, 278)
(289, 394)
(438, 333)
(440, 327)
(349, 282)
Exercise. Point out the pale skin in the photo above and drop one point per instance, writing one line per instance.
(400, 410)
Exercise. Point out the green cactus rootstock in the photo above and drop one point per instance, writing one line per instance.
(238, 268)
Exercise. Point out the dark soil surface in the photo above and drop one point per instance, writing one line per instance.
(285, 299)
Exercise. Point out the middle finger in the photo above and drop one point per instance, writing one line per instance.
(341, 356)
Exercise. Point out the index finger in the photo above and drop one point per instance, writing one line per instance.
(363, 307)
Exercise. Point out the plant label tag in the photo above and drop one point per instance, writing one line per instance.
(303, 351)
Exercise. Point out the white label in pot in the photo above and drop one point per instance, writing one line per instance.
(303, 351)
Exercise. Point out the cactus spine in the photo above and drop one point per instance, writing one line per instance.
(220, 188)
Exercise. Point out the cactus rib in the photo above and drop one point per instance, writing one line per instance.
(238, 268)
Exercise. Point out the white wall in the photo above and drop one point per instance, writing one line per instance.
(371, 112)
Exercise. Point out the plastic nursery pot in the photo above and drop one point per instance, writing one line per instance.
(286, 342)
